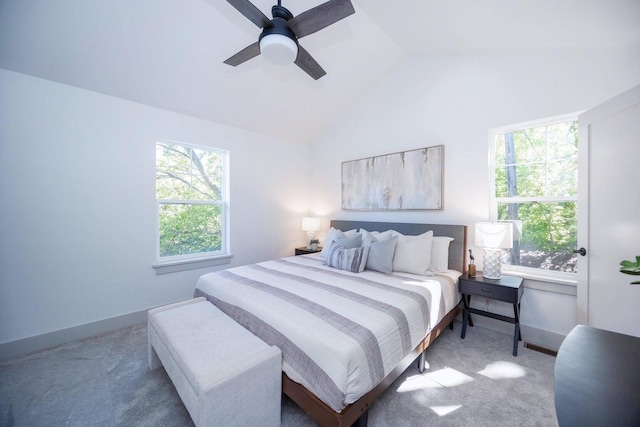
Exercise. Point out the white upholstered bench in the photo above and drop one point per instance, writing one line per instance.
(224, 374)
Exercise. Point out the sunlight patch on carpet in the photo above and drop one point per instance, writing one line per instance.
(503, 370)
(446, 377)
(445, 410)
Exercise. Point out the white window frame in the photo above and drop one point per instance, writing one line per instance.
(560, 277)
(171, 264)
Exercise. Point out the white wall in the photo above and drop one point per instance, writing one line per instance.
(77, 212)
(454, 101)
(77, 203)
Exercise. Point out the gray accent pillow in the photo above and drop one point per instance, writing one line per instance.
(349, 242)
(381, 255)
(353, 259)
(332, 236)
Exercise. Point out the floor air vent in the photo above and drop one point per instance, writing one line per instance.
(540, 349)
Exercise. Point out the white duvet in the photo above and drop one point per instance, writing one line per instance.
(340, 333)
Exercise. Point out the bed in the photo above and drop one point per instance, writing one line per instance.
(345, 336)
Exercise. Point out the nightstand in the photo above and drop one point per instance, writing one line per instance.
(304, 251)
(507, 289)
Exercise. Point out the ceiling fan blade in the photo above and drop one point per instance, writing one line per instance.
(320, 17)
(245, 54)
(308, 64)
(251, 12)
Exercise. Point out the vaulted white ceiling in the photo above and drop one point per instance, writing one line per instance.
(169, 53)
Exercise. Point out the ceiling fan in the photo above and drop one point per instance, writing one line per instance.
(278, 41)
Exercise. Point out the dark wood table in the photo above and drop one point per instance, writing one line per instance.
(597, 379)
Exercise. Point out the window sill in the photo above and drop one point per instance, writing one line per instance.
(550, 281)
(190, 264)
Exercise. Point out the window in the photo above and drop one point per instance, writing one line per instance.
(192, 200)
(535, 186)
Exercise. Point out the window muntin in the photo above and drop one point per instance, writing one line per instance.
(535, 185)
(192, 201)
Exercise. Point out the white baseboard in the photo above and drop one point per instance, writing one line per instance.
(541, 337)
(28, 345)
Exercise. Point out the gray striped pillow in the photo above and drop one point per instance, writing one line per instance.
(353, 259)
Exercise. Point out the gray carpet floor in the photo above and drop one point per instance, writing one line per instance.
(105, 381)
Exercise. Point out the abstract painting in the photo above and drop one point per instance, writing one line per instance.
(407, 180)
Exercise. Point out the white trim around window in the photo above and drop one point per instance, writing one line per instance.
(192, 180)
(562, 282)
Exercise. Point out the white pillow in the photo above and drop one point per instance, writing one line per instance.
(440, 253)
(413, 253)
(383, 235)
(350, 233)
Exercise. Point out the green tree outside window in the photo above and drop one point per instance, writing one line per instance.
(536, 186)
(190, 194)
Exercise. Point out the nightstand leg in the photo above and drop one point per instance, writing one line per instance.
(465, 314)
(516, 315)
(469, 315)
(517, 336)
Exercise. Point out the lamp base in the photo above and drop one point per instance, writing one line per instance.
(311, 235)
(492, 263)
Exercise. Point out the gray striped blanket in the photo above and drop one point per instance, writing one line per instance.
(340, 333)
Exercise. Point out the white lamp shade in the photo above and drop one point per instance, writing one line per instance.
(494, 235)
(278, 49)
(310, 223)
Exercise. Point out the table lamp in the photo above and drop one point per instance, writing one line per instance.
(493, 237)
(311, 225)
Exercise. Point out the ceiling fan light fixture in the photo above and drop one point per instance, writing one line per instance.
(278, 42)
(278, 49)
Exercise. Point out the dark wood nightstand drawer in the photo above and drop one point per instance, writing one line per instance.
(507, 288)
(489, 290)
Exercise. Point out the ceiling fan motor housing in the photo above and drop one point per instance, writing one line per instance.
(277, 42)
(279, 24)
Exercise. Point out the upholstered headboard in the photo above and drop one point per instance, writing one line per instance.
(457, 248)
